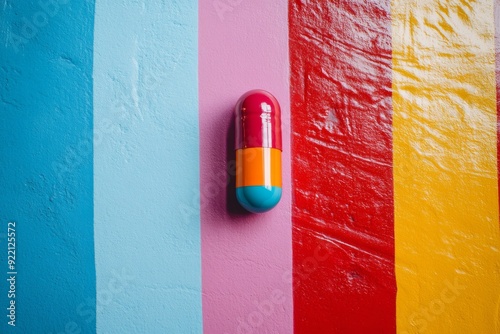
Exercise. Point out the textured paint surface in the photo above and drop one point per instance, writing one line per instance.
(497, 77)
(445, 167)
(148, 260)
(342, 167)
(46, 163)
(246, 260)
(147, 166)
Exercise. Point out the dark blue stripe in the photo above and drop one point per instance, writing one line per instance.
(46, 164)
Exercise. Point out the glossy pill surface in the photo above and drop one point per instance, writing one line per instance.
(258, 151)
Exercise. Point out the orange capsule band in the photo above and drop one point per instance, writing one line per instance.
(258, 166)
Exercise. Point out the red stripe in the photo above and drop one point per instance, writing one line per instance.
(341, 61)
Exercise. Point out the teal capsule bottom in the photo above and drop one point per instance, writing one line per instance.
(258, 199)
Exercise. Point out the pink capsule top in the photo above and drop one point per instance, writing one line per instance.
(258, 120)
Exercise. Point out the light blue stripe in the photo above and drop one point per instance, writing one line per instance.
(148, 259)
(46, 183)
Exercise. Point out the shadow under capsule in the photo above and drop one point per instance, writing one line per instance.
(233, 207)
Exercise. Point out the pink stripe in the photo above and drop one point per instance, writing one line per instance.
(246, 258)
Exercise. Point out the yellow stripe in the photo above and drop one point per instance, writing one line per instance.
(445, 171)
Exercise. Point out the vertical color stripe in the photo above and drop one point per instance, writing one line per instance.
(148, 259)
(497, 72)
(445, 167)
(497, 77)
(342, 167)
(46, 163)
(246, 257)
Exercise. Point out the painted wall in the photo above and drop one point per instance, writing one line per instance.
(46, 156)
(117, 167)
(146, 166)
